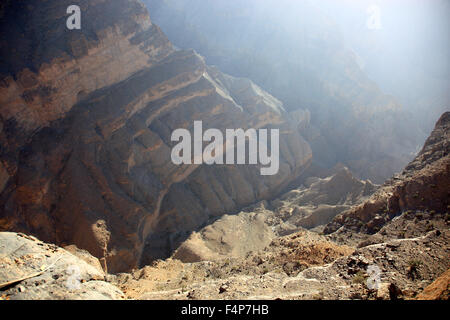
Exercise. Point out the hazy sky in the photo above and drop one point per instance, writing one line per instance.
(408, 55)
(403, 45)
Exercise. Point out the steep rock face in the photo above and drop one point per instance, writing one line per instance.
(46, 68)
(99, 173)
(423, 185)
(294, 51)
(232, 236)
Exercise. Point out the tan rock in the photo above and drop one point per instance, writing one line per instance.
(423, 184)
(36, 270)
(438, 290)
(388, 291)
(101, 177)
(85, 256)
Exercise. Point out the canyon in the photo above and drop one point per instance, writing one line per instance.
(86, 177)
(87, 160)
(298, 53)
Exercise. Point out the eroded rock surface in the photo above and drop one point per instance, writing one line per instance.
(49, 272)
(438, 290)
(90, 164)
(311, 205)
(85, 130)
(422, 186)
(295, 51)
(405, 257)
(303, 265)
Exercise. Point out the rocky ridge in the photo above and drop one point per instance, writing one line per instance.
(422, 186)
(309, 206)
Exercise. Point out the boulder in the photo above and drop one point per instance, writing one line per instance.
(34, 270)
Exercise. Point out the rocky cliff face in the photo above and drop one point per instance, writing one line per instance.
(86, 122)
(398, 253)
(85, 129)
(423, 185)
(296, 52)
(46, 69)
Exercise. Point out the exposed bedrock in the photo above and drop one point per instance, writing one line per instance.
(94, 169)
(422, 185)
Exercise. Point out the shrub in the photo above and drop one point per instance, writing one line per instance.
(360, 277)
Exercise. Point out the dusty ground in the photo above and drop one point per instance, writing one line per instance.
(306, 265)
(408, 258)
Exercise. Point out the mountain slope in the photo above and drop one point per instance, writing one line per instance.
(405, 257)
(86, 136)
(423, 185)
(35, 270)
(295, 52)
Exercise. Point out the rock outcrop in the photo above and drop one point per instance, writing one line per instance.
(86, 135)
(34, 270)
(309, 206)
(438, 290)
(46, 68)
(86, 119)
(422, 186)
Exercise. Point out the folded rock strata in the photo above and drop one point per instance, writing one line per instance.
(88, 163)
